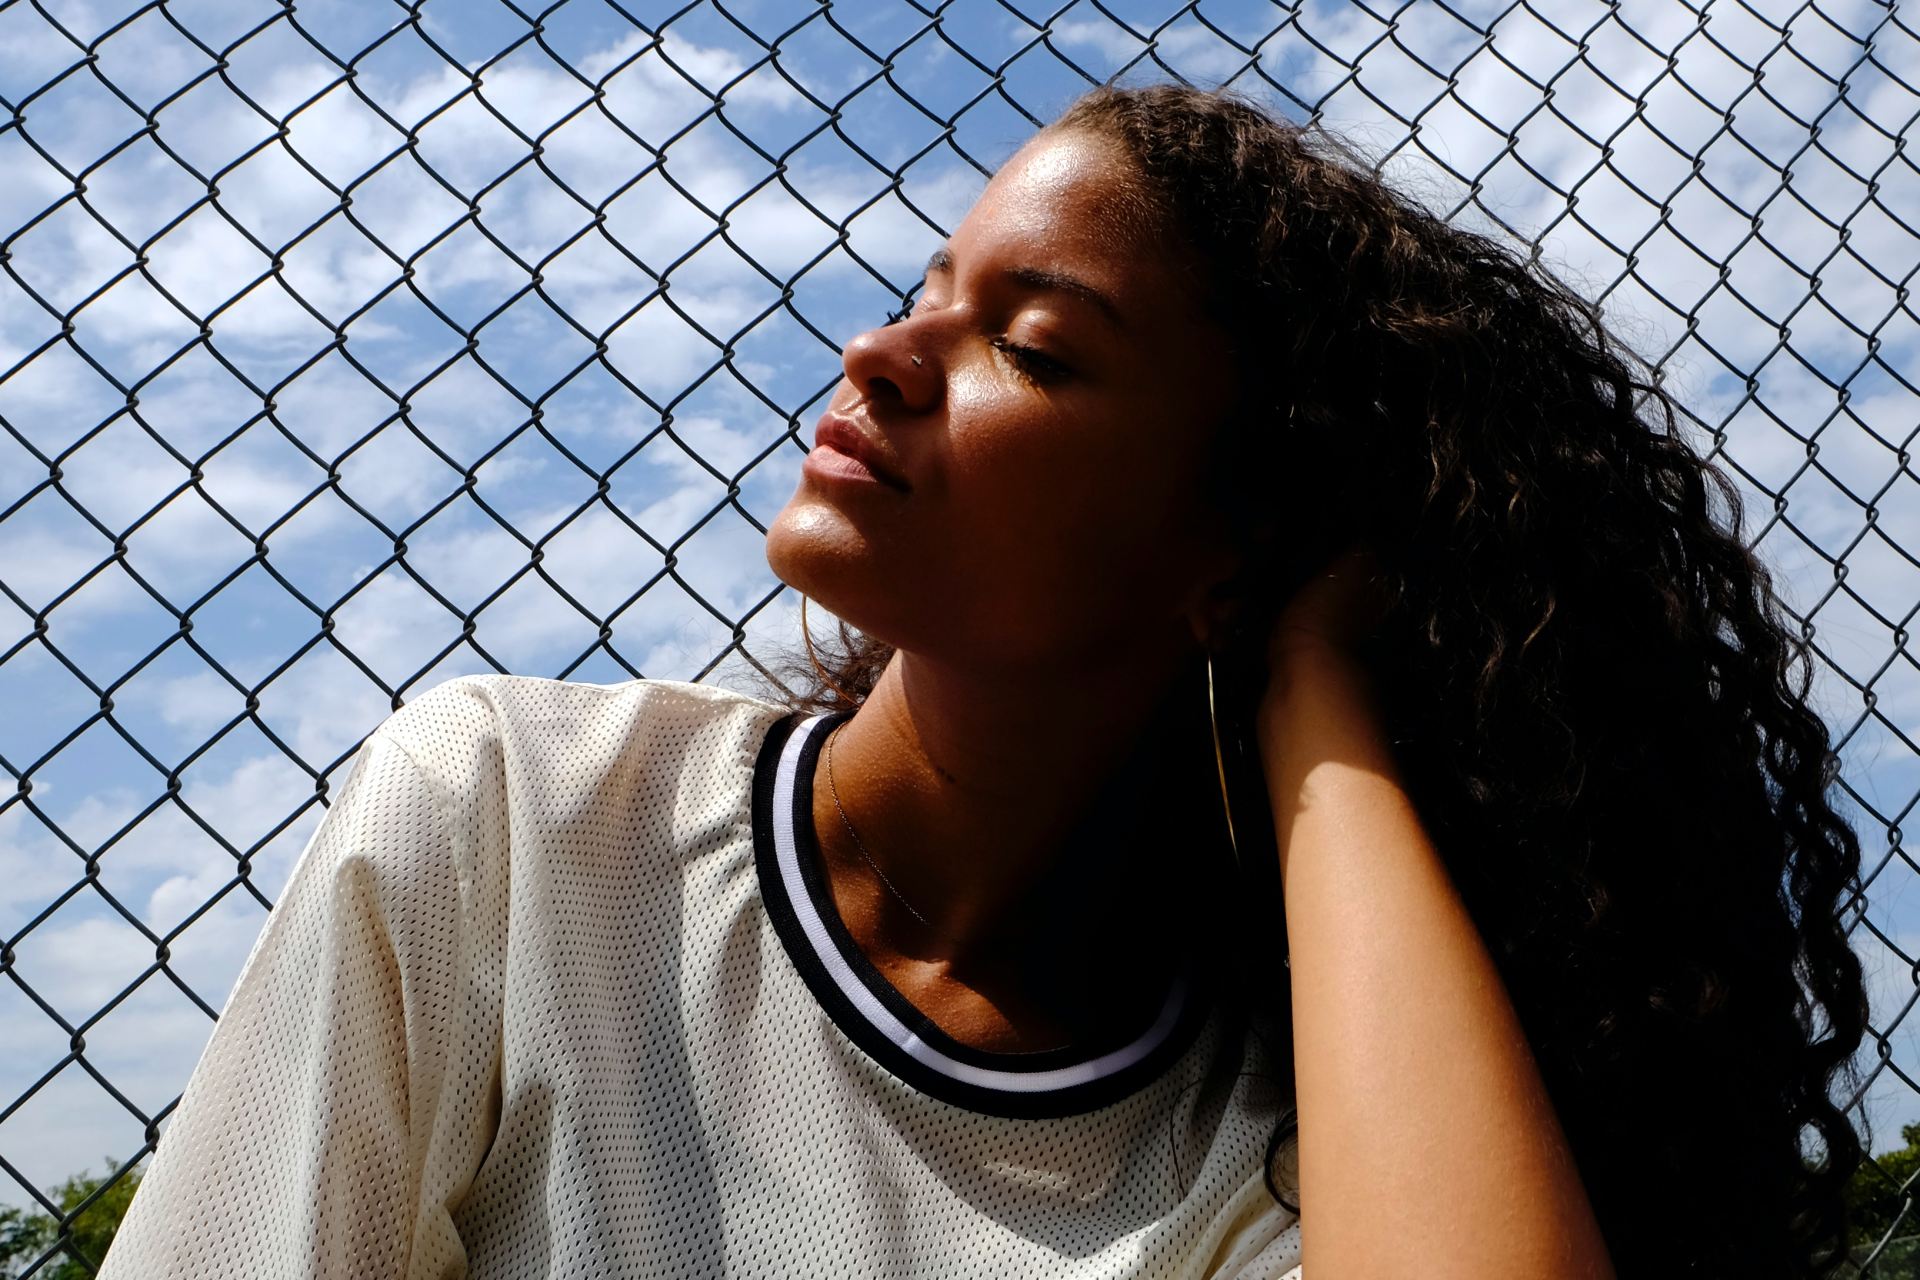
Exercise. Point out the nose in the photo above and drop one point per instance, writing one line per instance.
(897, 364)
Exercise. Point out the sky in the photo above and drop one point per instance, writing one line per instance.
(509, 263)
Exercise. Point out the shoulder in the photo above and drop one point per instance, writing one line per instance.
(536, 734)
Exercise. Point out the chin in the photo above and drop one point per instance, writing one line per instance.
(819, 556)
(843, 571)
(800, 545)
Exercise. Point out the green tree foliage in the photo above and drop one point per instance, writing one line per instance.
(1877, 1199)
(26, 1236)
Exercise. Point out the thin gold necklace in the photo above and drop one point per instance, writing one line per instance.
(861, 846)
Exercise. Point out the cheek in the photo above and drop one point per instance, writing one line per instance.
(1028, 475)
(1065, 516)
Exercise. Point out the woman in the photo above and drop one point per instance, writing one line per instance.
(971, 959)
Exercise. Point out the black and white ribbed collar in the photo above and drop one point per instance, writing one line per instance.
(872, 1012)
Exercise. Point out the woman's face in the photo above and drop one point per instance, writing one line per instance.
(1046, 407)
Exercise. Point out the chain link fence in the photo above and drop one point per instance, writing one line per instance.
(350, 346)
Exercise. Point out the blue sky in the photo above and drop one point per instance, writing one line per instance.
(140, 260)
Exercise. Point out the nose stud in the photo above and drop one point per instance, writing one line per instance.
(916, 362)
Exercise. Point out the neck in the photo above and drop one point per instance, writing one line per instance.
(1007, 813)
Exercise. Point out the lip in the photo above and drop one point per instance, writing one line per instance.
(843, 443)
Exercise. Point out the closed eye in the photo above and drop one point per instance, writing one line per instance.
(1034, 362)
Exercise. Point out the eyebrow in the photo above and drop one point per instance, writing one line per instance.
(1042, 279)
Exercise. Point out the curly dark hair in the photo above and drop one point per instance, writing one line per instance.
(1592, 690)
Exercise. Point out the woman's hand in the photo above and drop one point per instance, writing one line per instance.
(1339, 606)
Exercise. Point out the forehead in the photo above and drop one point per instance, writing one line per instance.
(1073, 185)
(1068, 201)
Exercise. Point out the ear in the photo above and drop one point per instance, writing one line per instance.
(1231, 571)
(1217, 599)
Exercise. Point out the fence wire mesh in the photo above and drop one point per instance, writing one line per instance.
(350, 346)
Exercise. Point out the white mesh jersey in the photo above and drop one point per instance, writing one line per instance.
(557, 989)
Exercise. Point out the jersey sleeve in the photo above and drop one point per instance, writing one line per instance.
(326, 1130)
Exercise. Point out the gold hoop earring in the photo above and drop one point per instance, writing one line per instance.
(1219, 760)
(1220, 763)
(806, 634)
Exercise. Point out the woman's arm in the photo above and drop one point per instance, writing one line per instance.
(1428, 1145)
(332, 1120)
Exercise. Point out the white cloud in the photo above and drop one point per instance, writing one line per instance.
(42, 564)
